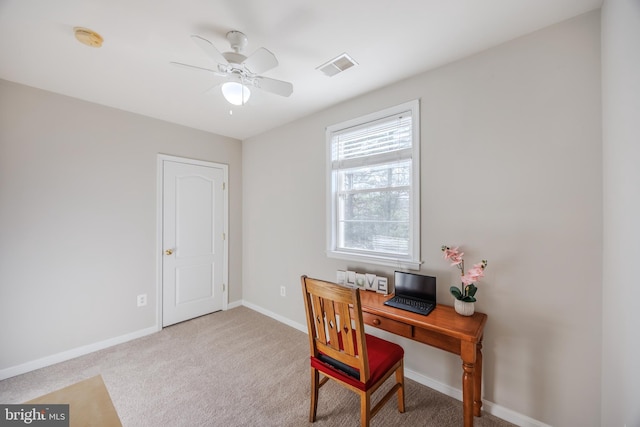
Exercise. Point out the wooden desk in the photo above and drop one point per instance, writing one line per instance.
(442, 328)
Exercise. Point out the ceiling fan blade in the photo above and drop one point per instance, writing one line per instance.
(216, 72)
(214, 90)
(260, 61)
(274, 86)
(210, 50)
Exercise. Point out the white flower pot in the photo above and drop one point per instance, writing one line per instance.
(464, 308)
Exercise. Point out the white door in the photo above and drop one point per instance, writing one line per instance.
(193, 240)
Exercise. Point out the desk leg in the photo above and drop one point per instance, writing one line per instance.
(477, 382)
(468, 355)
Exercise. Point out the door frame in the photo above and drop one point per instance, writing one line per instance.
(159, 227)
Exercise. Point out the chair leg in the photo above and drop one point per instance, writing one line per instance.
(400, 380)
(365, 409)
(315, 385)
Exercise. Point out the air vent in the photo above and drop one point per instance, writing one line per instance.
(337, 65)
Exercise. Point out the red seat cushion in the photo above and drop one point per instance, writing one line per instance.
(382, 356)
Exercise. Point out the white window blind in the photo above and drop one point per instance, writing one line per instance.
(373, 180)
(373, 141)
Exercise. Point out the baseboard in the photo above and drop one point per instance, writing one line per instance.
(81, 351)
(73, 353)
(487, 406)
(512, 416)
(234, 305)
(435, 385)
(281, 319)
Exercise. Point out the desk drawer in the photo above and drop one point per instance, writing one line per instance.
(434, 339)
(389, 325)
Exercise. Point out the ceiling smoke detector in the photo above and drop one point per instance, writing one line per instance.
(88, 37)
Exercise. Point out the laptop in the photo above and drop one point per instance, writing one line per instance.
(414, 292)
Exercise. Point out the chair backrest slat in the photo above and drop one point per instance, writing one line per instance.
(348, 342)
(336, 327)
(319, 320)
(332, 327)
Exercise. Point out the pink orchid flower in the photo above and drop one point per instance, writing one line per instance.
(474, 274)
(467, 280)
(454, 255)
(467, 291)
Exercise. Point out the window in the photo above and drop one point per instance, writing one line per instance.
(373, 188)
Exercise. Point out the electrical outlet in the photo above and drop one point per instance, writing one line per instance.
(283, 291)
(142, 300)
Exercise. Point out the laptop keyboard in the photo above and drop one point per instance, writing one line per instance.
(420, 307)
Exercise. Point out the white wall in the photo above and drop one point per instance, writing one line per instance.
(78, 220)
(621, 151)
(511, 170)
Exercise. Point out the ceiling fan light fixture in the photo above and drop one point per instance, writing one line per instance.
(236, 93)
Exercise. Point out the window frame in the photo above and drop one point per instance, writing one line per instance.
(412, 261)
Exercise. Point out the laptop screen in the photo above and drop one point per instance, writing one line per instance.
(415, 286)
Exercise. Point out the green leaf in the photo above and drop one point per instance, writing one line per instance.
(468, 298)
(455, 292)
(471, 290)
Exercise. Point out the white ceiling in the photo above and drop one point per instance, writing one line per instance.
(390, 40)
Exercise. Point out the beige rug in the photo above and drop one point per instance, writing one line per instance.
(89, 403)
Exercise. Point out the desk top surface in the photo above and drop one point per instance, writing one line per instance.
(443, 319)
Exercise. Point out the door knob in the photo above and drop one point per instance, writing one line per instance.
(168, 251)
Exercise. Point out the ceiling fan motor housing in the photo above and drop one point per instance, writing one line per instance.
(234, 57)
(237, 40)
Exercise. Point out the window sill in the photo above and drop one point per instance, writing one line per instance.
(389, 262)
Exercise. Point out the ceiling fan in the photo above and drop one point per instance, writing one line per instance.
(239, 71)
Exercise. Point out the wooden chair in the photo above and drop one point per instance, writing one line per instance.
(341, 350)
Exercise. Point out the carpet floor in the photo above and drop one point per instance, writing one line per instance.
(229, 368)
